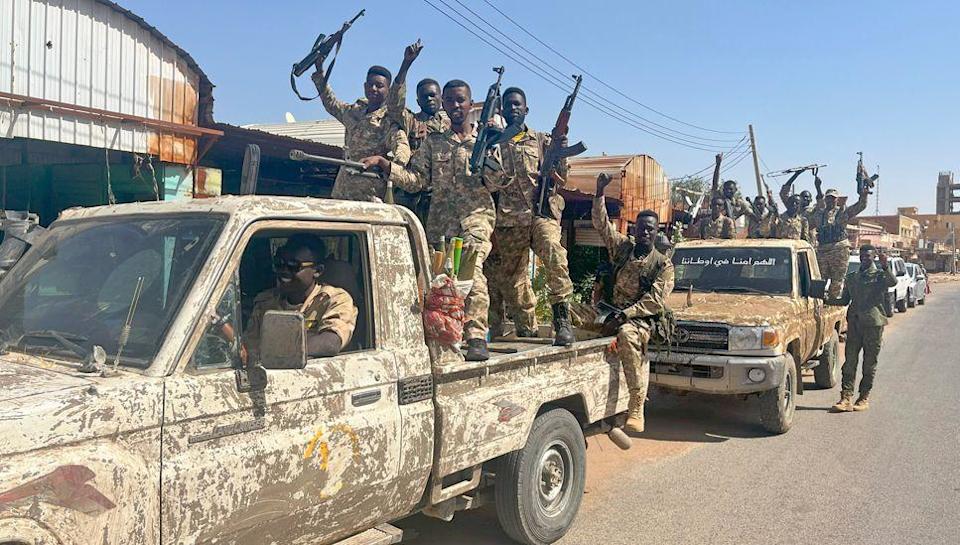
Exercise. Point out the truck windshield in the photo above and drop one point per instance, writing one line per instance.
(745, 270)
(75, 290)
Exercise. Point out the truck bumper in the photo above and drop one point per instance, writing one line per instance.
(715, 374)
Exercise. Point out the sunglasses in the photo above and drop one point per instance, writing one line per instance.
(291, 264)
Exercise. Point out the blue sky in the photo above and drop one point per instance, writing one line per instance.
(819, 80)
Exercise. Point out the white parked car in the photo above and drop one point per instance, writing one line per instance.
(897, 295)
(918, 285)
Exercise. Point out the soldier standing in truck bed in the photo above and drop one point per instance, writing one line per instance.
(717, 224)
(431, 118)
(865, 291)
(643, 277)
(833, 245)
(462, 203)
(368, 131)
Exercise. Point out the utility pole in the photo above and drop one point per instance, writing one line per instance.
(756, 161)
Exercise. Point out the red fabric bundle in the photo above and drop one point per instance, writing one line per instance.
(443, 319)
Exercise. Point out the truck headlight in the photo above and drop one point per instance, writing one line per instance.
(753, 338)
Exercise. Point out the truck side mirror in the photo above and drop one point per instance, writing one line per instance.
(818, 289)
(283, 340)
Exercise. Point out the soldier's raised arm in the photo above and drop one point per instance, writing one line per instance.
(715, 186)
(331, 103)
(601, 222)
(785, 188)
(653, 302)
(397, 96)
(857, 207)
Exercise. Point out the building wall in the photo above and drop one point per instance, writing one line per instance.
(93, 54)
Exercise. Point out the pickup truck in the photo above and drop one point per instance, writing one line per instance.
(129, 416)
(750, 320)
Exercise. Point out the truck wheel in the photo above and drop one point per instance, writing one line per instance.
(827, 373)
(777, 406)
(902, 304)
(889, 304)
(911, 300)
(539, 488)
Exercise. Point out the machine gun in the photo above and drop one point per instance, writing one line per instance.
(352, 167)
(554, 154)
(487, 137)
(864, 181)
(321, 48)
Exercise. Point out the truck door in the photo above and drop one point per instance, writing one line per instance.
(311, 457)
(813, 307)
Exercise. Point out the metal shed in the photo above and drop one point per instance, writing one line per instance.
(638, 182)
(91, 73)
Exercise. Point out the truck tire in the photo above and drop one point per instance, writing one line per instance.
(778, 405)
(911, 300)
(827, 373)
(889, 304)
(902, 304)
(538, 488)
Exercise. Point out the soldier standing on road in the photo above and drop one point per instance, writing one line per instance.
(717, 225)
(865, 291)
(431, 118)
(368, 132)
(833, 248)
(519, 230)
(793, 223)
(643, 277)
(462, 203)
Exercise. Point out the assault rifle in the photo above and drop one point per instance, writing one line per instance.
(554, 155)
(863, 179)
(487, 137)
(321, 48)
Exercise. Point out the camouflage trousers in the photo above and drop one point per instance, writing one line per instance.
(477, 234)
(493, 269)
(514, 244)
(632, 340)
(868, 340)
(833, 259)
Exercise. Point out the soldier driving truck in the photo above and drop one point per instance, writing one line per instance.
(131, 413)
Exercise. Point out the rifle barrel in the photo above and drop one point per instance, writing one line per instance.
(352, 166)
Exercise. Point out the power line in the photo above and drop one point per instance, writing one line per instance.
(605, 84)
(732, 152)
(587, 100)
(587, 90)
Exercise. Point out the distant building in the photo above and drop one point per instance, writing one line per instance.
(946, 194)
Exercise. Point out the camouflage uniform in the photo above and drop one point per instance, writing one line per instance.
(367, 134)
(416, 126)
(793, 226)
(327, 308)
(762, 225)
(519, 231)
(462, 206)
(722, 227)
(522, 319)
(640, 289)
(865, 292)
(833, 248)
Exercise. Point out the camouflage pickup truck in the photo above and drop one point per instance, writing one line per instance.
(128, 417)
(750, 319)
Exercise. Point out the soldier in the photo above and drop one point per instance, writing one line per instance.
(462, 203)
(734, 205)
(519, 230)
(793, 224)
(368, 132)
(329, 312)
(762, 217)
(806, 208)
(865, 291)
(643, 277)
(718, 225)
(431, 118)
(833, 246)
(499, 309)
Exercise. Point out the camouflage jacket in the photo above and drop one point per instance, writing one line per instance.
(416, 125)
(762, 225)
(793, 226)
(521, 165)
(460, 199)
(327, 308)
(865, 292)
(642, 283)
(366, 134)
(722, 227)
(831, 224)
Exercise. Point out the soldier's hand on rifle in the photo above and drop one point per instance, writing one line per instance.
(412, 51)
(375, 163)
(603, 180)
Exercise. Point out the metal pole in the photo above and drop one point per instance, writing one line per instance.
(756, 161)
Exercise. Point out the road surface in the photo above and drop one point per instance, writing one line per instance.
(706, 472)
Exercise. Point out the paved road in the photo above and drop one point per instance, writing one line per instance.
(707, 473)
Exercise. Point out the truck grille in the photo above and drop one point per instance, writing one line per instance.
(685, 370)
(707, 337)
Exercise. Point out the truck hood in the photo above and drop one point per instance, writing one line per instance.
(41, 408)
(733, 308)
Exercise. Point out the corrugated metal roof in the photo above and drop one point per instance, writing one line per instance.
(325, 131)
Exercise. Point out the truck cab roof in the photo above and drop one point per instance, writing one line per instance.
(747, 243)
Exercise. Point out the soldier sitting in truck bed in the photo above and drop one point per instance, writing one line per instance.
(329, 312)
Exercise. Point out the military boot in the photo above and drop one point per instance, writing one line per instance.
(477, 350)
(863, 402)
(563, 331)
(844, 405)
(526, 333)
(635, 422)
